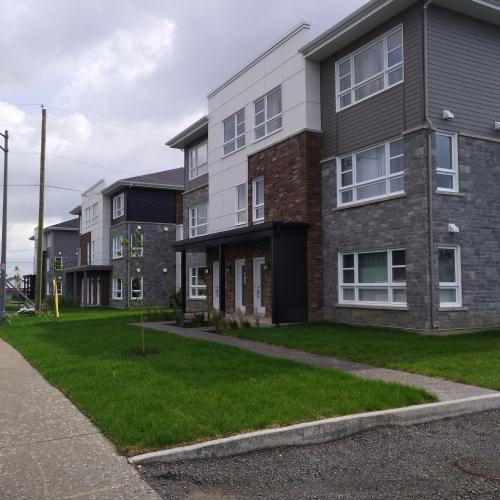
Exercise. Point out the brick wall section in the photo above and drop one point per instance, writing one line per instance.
(292, 193)
(238, 252)
(84, 240)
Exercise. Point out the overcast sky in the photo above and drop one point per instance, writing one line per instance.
(144, 64)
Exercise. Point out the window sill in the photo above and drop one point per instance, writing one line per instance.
(116, 258)
(232, 152)
(450, 193)
(267, 135)
(370, 202)
(258, 221)
(371, 306)
(196, 177)
(389, 87)
(453, 309)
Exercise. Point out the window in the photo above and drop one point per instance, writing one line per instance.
(370, 174)
(59, 287)
(258, 199)
(136, 288)
(198, 158)
(91, 251)
(373, 278)
(117, 247)
(58, 263)
(91, 215)
(241, 204)
(136, 244)
(47, 264)
(450, 293)
(446, 162)
(118, 206)
(117, 289)
(198, 224)
(370, 70)
(198, 283)
(268, 117)
(88, 217)
(234, 132)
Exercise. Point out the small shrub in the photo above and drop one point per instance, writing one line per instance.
(178, 317)
(219, 322)
(244, 323)
(198, 319)
(233, 323)
(176, 300)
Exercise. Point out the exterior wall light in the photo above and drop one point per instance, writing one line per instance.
(165, 270)
(448, 115)
(453, 228)
(228, 268)
(497, 126)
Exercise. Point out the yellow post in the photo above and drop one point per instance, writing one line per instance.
(56, 297)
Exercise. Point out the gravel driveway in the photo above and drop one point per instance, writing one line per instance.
(388, 463)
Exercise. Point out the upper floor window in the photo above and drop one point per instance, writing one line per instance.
(198, 222)
(373, 277)
(118, 205)
(258, 199)
(137, 244)
(268, 118)
(198, 160)
(91, 214)
(372, 173)
(446, 162)
(370, 70)
(117, 247)
(234, 132)
(241, 204)
(58, 263)
(90, 252)
(88, 217)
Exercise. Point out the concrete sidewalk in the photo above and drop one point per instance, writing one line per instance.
(444, 390)
(48, 449)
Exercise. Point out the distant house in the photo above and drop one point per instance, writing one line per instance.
(106, 274)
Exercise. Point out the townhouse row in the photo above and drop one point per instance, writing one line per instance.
(355, 177)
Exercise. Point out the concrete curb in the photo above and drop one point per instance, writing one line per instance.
(321, 431)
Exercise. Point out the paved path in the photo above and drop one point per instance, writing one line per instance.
(444, 390)
(48, 449)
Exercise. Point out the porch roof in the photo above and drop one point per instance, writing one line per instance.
(247, 234)
(88, 268)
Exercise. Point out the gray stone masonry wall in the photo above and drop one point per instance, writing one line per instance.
(476, 211)
(395, 223)
(192, 199)
(159, 254)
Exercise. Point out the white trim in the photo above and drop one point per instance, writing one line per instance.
(194, 283)
(453, 173)
(202, 166)
(196, 229)
(457, 284)
(117, 293)
(390, 285)
(267, 120)
(241, 210)
(116, 250)
(236, 138)
(256, 206)
(118, 211)
(387, 177)
(351, 90)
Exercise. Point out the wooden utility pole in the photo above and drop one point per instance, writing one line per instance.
(41, 207)
(3, 258)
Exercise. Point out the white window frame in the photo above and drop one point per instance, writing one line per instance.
(387, 177)
(95, 212)
(456, 285)
(117, 247)
(197, 170)
(136, 251)
(267, 119)
(255, 206)
(238, 210)
(118, 205)
(237, 138)
(195, 228)
(385, 71)
(58, 287)
(60, 260)
(453, 173)
(88, 216)
(390, 285)
(194, 283)
(133, 293)
(117, 292)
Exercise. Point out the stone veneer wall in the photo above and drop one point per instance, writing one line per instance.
(292, 193)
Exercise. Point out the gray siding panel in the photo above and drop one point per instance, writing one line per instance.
(464, 72)
(384, 115)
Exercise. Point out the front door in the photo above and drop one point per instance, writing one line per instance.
(239, 285)
(258, 285)
(215, 286)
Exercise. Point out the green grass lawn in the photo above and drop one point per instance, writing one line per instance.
(473, 359)
(191, 390)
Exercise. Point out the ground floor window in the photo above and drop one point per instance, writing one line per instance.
(450, 293)
(377, 278)
(59, 287)
(136, 286)
(198, 283)
(117, 289)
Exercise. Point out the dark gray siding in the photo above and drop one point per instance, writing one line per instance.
(198, 182)
(150, 205)
(381, 116)
(464, 72)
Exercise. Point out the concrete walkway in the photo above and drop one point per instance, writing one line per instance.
(444, 390)
(48, 449)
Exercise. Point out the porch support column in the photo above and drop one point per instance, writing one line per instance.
(275, 317)
(75, 288)
(222, 279)
(183, 281)
(84, 288)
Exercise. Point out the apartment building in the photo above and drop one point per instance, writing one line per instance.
(354, 177)
(60, 245)
(127, 233)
